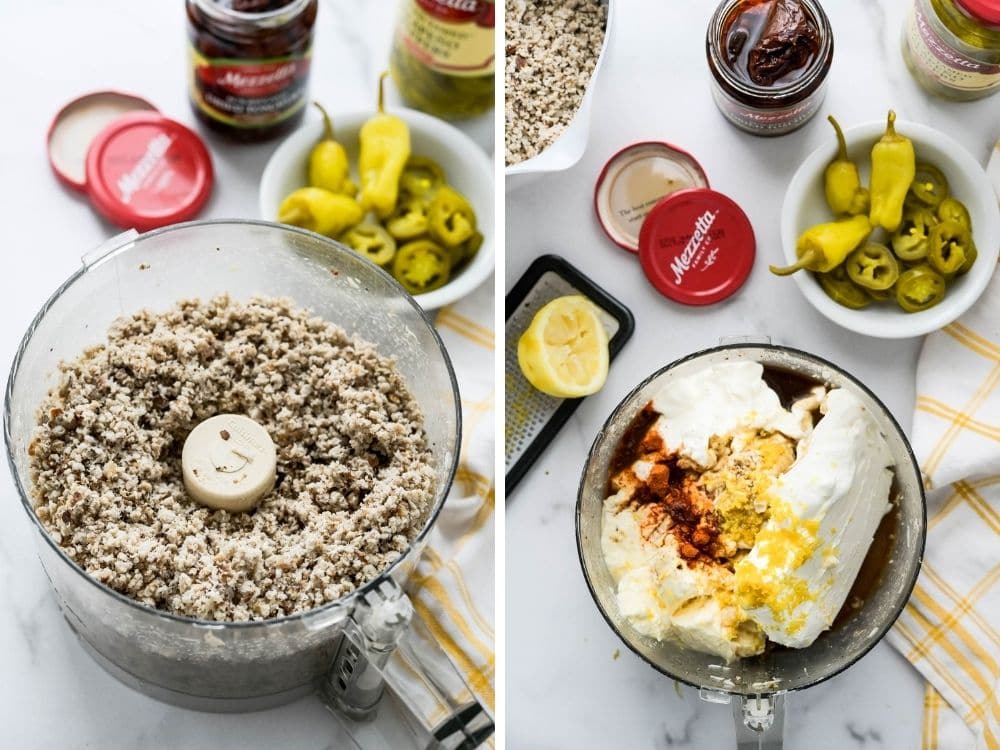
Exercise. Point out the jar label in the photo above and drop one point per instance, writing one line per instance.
(454, 37)
(768, 121)
(249, 93)
(941, 61)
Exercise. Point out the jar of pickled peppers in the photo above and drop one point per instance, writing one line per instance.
(769, 61)
(952, 47)
(442, 56)
(249, 64)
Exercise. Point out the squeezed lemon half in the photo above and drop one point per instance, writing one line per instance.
(564, 352)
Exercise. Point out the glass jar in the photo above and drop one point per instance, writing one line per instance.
(249, 64)
(952, 47)
(442, 57)
(780, 105)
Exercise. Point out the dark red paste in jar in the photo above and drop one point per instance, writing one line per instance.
(249, 64)
(770, 42)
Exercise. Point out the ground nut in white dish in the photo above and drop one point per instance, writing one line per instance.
(552, 49)
(354, 483)
(732, 520)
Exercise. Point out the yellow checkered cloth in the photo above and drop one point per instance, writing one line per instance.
(950, 629)
(452, 589)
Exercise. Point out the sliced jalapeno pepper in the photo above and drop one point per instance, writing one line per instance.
(929, 185)
(452, 220)
(409, 220)
(909, 241)
(970, 257)
(421, 266)
(948, 247)
(842, 290)
(951, 209)
(882, 295)
(372, 242)
(872, 266)
(919, 288)
(421, 177)
(465, 252)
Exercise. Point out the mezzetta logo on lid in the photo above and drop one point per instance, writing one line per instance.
(682, 263)
(131, 182)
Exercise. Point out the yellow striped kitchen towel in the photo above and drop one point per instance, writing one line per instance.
(950, 630)
(453, 587)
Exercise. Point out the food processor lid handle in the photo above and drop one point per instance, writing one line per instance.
(385, 645)
(760, 722)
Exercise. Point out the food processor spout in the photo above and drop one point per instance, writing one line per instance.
(384, 645)
(760, 722)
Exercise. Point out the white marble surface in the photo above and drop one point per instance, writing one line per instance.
(51, 694)
(566, 688)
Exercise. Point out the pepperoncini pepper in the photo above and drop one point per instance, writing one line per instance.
(893, 170)
(320, 211)
(452, 220)
(384, 145)
(841, 181)
(872, 266)
(328, 165)
(825, 246)
(919, 288)
(948, 247)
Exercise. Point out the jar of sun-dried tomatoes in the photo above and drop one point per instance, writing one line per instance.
(249, 64)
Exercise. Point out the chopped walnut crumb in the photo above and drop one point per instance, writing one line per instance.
(354, 485)
(552, 49)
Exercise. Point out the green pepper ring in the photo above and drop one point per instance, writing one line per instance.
(872, 266)
(919, 289)
(421, 266)
(842, 290)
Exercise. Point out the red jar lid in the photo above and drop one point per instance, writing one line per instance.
(146, 171)
(634, 180)
(984, 10)
(697, 246)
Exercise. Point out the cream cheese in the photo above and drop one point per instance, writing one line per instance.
(663, 598)
(721, 400)
(824, 513)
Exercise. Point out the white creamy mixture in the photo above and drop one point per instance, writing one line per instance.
(794, 508)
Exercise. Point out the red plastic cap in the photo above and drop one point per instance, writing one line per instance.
(147, 171)
(697, 246)
(984, 10)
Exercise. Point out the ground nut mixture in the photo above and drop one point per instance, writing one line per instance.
(354, 481)
(552, 48)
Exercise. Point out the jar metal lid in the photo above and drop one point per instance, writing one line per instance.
(697, 246)
(146, 171)
(984, 10)
(634, 180)
(75, 125)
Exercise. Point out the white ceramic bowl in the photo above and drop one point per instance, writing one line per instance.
(566, 150)
(466, 166)
(805, 205)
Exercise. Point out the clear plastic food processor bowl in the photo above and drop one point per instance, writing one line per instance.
(757, 684)
(344, 650)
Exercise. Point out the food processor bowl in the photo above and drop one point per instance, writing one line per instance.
(247, 665)
(760, 681)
